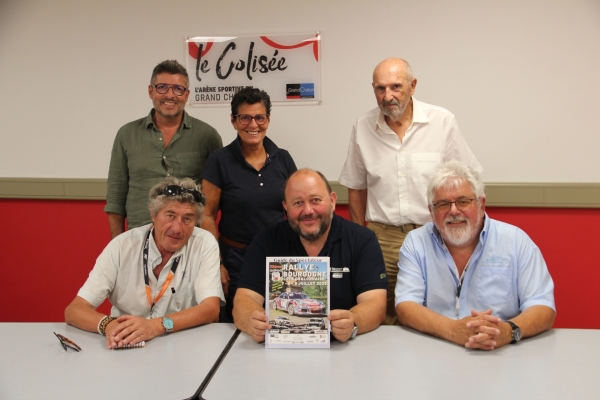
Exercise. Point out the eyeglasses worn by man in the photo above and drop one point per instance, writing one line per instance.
(467, 278)
(167, 142)
(160, 278)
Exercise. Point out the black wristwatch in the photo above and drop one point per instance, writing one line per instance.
(516, 332)
(354, 332)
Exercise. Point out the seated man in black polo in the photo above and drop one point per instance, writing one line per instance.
(358, 296)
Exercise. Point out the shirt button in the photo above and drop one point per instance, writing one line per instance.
(164, 157)
(160, 138)
(168, 174)
(259, 175)
(261, 184)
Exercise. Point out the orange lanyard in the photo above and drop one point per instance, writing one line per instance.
(146, 275)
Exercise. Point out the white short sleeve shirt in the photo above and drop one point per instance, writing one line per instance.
(119, 275)
(396, 173)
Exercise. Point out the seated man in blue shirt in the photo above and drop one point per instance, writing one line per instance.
(312, 229)
(467, 278)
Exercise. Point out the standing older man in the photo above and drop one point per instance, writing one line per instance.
(393, 152)
(162, 277)
(312, 229)
(467, 278)
(168, 142)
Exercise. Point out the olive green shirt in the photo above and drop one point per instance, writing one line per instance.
(139, 158)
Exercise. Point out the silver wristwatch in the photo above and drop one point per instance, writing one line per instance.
(167, 323)
(354, 332)
(516, 332)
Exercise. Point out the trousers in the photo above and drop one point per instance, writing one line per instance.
(390, 239)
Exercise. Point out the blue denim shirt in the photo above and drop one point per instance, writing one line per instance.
(506, 273)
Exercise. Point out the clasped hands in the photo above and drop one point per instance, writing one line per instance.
(479, 331)
(129, 329)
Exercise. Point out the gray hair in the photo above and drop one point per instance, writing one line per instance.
(408, 71)
(452, 174)
(158, 200)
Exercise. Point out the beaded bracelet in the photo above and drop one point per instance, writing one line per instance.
(104, 323)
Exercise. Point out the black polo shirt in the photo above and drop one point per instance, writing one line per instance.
(356, 261)
(250, 199)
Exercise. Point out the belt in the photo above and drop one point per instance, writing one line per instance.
(233, 243)
(404, 228)
(408, 227)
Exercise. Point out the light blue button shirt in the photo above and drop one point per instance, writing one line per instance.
(506, 273)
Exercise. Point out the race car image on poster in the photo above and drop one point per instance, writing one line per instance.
(298, 304)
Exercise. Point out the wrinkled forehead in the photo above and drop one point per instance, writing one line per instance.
(457, 186)
(178, 207)
(171, 79)
(390, 73)
(304, 185)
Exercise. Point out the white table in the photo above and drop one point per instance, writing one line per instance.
(34, 365)
(395, 362)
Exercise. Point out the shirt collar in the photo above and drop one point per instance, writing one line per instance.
(486, 227)
(270, 147)
(187, 120)
(418, 117)
(154, 254)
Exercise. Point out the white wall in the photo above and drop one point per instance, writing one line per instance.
(521, 76)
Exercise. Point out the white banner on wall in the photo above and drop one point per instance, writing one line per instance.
(287, 67)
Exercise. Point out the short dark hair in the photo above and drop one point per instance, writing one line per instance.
(169, 67)
(250, 95)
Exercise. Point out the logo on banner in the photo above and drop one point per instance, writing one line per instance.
(300, 91)
(221, 66)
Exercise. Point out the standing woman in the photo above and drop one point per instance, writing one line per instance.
(245, 181)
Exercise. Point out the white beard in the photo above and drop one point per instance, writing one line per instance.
(396, 112)
(460, 236)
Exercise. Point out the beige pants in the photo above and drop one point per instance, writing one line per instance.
(390, 239)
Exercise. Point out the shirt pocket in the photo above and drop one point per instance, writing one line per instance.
(183, 298)
(189, 164)
(423, 168)
(494, 285)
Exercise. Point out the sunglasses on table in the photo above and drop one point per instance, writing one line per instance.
(66, 342)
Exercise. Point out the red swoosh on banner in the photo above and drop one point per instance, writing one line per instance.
(193, 49)
(314, 42)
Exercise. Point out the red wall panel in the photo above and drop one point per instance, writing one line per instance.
(49, 247)
(567, 238)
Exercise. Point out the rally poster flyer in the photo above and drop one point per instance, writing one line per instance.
(297, 302)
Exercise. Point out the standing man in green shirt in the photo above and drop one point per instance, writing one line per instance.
(167, 142)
